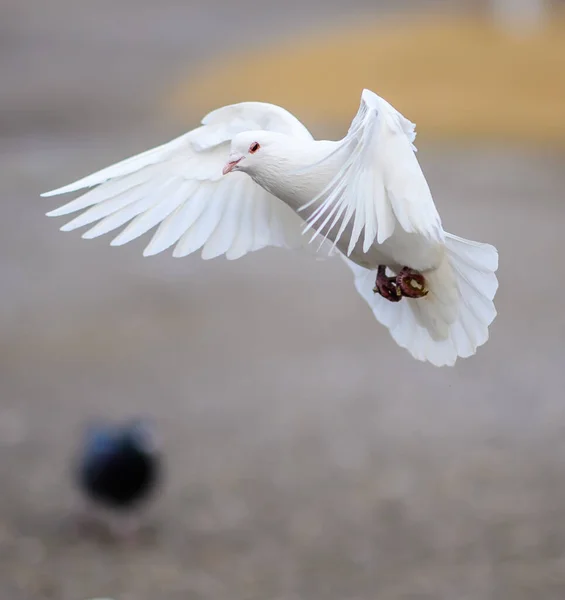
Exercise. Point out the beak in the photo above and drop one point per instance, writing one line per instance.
(231, 165)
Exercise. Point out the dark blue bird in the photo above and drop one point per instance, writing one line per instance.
(120, 467)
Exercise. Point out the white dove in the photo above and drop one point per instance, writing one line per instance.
(365, 195)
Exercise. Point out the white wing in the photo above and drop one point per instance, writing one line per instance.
(179, 186)
(381, 183)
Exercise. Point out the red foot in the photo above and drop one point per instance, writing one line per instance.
(411, 283)
(387, 286)
(407, 284)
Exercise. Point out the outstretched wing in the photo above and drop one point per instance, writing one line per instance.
(179, 187)
(381, 184)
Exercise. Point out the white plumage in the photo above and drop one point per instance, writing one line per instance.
(180, 186)
(365, 195)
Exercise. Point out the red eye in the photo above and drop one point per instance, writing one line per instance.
(254, 147)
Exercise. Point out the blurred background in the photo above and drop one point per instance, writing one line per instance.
(308, 458)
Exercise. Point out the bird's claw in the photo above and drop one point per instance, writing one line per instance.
(407, 284)
(386, 286)
(411, 283)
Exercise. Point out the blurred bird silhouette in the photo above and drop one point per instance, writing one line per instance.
(118, 471)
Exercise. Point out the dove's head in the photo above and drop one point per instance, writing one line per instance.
(255, 151)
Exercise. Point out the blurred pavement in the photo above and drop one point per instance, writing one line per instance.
(310, 458)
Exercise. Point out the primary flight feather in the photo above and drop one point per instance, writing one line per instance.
(252, 176)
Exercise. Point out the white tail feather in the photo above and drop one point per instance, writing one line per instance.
(452, 321)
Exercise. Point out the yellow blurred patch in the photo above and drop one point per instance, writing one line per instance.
(455, 77)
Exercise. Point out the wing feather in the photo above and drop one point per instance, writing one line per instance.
(226, 230)
(179, 221)
(200, 231)
(243, 241)
(122, 216)
(141, 224)
(109, 206)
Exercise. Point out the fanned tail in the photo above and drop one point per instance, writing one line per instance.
(453, 320)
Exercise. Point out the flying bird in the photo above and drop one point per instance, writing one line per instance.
(119, 469)
(253, 176)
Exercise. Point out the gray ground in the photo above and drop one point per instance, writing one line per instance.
(309, 457)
